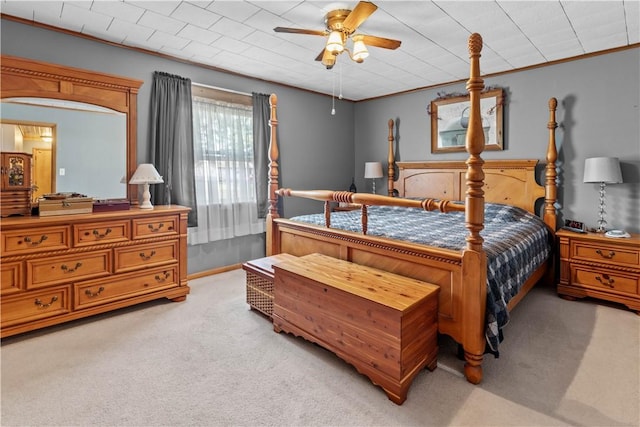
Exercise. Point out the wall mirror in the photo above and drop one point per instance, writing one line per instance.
(92, 120)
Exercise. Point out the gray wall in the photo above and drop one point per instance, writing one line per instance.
(598, 114)
(316, 148)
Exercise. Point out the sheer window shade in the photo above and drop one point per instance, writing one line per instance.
(224, 171)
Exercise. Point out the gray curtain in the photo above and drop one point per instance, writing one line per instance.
(171, 137)
(261, 136)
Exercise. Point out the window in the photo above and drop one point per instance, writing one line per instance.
(224, 166)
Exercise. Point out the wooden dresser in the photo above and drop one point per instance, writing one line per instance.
(592, 265)
(60, 268)
(383, 324)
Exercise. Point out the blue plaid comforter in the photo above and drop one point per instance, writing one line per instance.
(516, 243)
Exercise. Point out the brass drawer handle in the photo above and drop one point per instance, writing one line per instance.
(66, 269)
(40, 304)
(98, 235)
(32, 243)
(94, 294)
(155, 229)
(609, 280)
(147, 257)
(609, 256)
(161, 279)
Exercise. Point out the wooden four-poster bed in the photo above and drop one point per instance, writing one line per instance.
(455, 188)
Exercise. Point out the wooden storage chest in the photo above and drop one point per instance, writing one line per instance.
(382, 323)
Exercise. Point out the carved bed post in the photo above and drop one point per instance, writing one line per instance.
(391, 171)
(551, 195)
(474, 274)
(273, 175)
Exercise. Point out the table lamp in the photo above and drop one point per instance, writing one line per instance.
(604, 170)
(373, 170)
(146, 174)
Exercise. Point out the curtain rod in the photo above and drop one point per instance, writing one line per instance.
(221, 89)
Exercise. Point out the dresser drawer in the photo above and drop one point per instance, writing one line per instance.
(100, 233)
(144, 228)
(605, 279)
(35, 306)
(12, 277)
(65, 269)
(35, 240)
(96, 292)
(610, 253)
(149, 255)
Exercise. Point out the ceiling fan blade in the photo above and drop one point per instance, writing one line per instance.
(299, 31)
(358, 15)
(381, 42)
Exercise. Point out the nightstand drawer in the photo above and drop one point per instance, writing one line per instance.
(605, 280)
(618, 254)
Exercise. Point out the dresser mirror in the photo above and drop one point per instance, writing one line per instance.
(89, 118)
(56, 133)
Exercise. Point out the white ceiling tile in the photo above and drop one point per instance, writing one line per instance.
(118, 9)
(231, 28)
(128, 30)
(161, 7)
(93, 21)
(191, 32)
(161, 22)
(190, 13)
(164, 39)
(236, 10)
(238, 36)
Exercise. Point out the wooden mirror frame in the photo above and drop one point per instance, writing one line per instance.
(23, 77)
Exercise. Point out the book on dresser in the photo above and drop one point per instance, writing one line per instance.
(60, 268)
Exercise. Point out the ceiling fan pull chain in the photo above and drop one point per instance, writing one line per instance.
(340, 94)
(333, 94)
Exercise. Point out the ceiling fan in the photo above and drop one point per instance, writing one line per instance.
(341, 26)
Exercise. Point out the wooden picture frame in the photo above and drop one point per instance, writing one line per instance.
(449, 128)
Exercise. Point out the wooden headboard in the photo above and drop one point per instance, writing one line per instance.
(510, 182)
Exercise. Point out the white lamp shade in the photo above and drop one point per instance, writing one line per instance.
(373, 170)
(146, 174)
(360, 51)
(334, 43)
(602, 169)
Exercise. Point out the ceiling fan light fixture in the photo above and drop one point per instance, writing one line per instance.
(360, 51)
(334, 43)
(328, 59)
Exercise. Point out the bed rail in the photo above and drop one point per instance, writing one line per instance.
(367, 199)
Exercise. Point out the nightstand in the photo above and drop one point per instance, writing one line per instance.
(592, 265)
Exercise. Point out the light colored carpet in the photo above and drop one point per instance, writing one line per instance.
(210, 361)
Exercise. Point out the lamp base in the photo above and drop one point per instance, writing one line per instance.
(146, 197)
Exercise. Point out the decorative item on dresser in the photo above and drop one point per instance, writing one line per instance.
(61, 268)
(593, 265)
(146, 174)
(15, 169)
